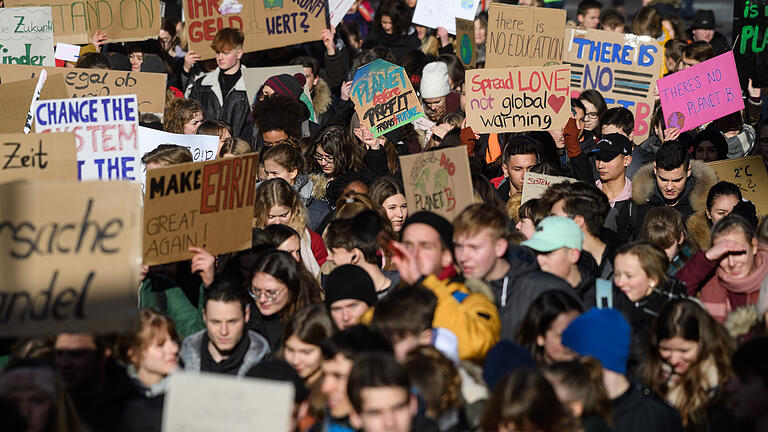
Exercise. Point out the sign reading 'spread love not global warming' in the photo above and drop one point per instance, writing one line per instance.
(750, 21)
(265, 23)
(622, 67)
(518, 99)
(26, 36)
(524, 36)
(701, 93)
(384, 97)
(106, 130)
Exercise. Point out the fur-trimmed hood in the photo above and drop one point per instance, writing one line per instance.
(644, 188)
(699, 227)
(321, 98)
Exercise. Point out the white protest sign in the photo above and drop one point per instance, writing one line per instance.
(534, 184)
(337, 9)
(443, 13)
(26, 36)
(222, 403)
(203, 147)
(67, 52)
(106, 129)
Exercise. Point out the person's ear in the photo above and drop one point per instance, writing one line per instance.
(632, 136)
(239, 53)
(540, 340)
(689, 170)
(356, 256)
(706, 212)
(355, 420)
(505, 170)
(627, 160)
(501, 247)
(577, 408)
(579, 219)
(446, 259)
(425, 337)
(754, 245)
(574, 255)
(247, 312)
(654, 168)
(293, 174)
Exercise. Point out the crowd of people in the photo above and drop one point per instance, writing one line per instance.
(631, 297)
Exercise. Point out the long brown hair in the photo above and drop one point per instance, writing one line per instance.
(278, 192)
(152, 326)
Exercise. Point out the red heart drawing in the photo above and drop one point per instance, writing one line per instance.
(556, 102)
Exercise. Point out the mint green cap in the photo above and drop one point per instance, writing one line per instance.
(555, 232)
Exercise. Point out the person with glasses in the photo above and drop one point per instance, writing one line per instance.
(334, 154)
(278, 286)
(594, 105)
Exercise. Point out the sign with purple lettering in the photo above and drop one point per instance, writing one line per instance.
(701, 93)
(106, 130)
(384, 97)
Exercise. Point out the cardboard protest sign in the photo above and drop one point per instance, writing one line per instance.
(38, 157)
(17, 100)
(216, 403)
(524, 36)
(622, 67)
(69, 256)
(748, 173)
(337, 9)
(75, 21)
(266, 24)
(106, 129)
(442, 13)
(750, 20)
(518, 99)
(534, 185)
(256, 77)
(438, 181)
(149, 87)
(701, 93)
(26, 36)
(465, 42)
(202, 147)
(204, 204)
(384, 97)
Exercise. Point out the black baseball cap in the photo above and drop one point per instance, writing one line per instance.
(612, 145)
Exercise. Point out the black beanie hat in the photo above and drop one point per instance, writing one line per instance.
(280, 370)
(349, 282)
(439, 223)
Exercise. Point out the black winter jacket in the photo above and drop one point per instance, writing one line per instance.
(232, 108)
(641, 410)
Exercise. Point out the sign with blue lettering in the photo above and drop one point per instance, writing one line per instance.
(26, 36)
(106, 129)
(384, 97)
(622, 67)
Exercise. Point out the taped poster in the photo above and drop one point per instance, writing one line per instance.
(266, 23)
(534, 184)
(524, 36)
(748, 173)
(701, 93)
(69, 256)
(438, 181)
(622, 67)
(466, 46)
(204, 204)
(750, 21)
(518, 99)
(107, 133)
(26, 36)
(384, 97)
(38, 157)
(442, 13)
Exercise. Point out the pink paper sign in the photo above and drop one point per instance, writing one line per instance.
(702, 93)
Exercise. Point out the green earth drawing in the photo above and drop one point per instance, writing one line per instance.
(465, 49)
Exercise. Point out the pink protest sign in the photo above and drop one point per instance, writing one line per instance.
(702, 93)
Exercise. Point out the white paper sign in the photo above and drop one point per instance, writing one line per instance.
(443, 13)
(203, 147)
(67, 52)
(223, 403)
(337, 10)
(26, 36)
(106, 129)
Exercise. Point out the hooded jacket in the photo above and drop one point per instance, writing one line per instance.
(699, 227)
(232, 108)
(646, 194)
(190, 354)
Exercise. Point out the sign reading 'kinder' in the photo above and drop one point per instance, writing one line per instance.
(524, 36)
(202, 204)
(518, 99)
(26, 36)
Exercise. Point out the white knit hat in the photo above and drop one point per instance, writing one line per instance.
(434, 80)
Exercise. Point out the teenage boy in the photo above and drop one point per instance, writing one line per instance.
(621, 121)
(520, 155)
(349, 296)
(613, 154)
(222, 93)
(405, 319)
(588, 14)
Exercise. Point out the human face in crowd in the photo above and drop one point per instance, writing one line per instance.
(325, 161)
(190, 127)
(273, 137)
(476, 253)
(671, 183)
(425, 244)
(275, 170)
(165, 38)
(229, 60)
(558, 262)
(679, 353)
(347, 312)
(305, 358)
(292, 245)
(34, 405)
(421, 31)
(397, 210)
(613, 169)
(386, 24)
(77, 360)
(630, 277)
(579, 117)
(279, 214)
(271, 295)
(706, 151)
(551, 340)
(312, 79)
(334, 387)
(136, 59)
(225, 323)
(516, 168)
(737, 265)
(526, 226)
(590, 19)
(686, 62)
(386, 409)
(747, 396)
(266, 91)
(722, 206)
(435, 108)
(480, 33)
(158, 359)
(590, 116)
(705, 35)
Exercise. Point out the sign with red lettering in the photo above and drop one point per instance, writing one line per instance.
(622, 67)
(69, 257)
(265, 23)
(203, 204)
(384, 97)
(518, 99)
(438, 181)
(534, 184)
